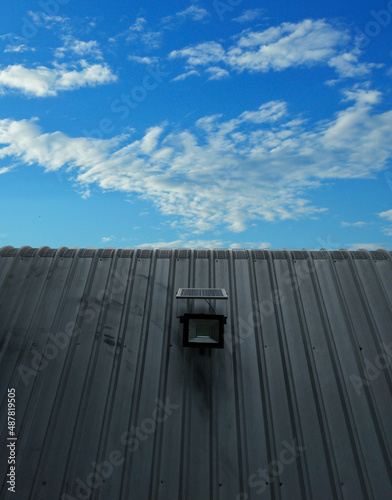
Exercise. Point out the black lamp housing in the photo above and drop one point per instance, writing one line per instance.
(203, 330)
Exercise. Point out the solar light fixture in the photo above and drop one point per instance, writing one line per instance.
(202, 293)
(202, 329)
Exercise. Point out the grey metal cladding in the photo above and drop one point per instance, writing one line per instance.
(220, 254)
(298, 254)
(182, 253)
(298, 404)
(145, 253)
(164, 254)
(260, 254)
(125, 253)
(71, 252)
(9, 252)
(201, 254)
(106, 253)
(240, 254)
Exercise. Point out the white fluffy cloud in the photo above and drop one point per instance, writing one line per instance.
(259, 165)
(43, 81)
(306, 43)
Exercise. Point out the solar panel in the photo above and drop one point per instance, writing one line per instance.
(201, 293)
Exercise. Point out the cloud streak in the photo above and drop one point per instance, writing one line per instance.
(192, 13)
(261, 165)
(210, 244)
(249, 15)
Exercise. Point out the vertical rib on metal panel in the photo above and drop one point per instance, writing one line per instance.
(126, 287)
(169, 473)
(227, 483)
(254, 327)
(164, 390)
(278, 280)
(145, 270)
(243, 463)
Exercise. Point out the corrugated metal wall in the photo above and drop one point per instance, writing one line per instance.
(111, 406)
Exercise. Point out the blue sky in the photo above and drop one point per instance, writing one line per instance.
(233, 124)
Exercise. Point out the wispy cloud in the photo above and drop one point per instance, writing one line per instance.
(365, 246)
(140, 33)
(354, 224)
(79, 48)
(19, 48)
(199, 243)
(249, 15)
(43, 19)
(289, 45)
(201, 54)
(347, 65)
(388, 216)
(43, 81)
(193, 13)
(182, 243)
(144, 60)
(217, 73)
(270, 112)
(106, 239)
(222, 173)
(187, 74)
